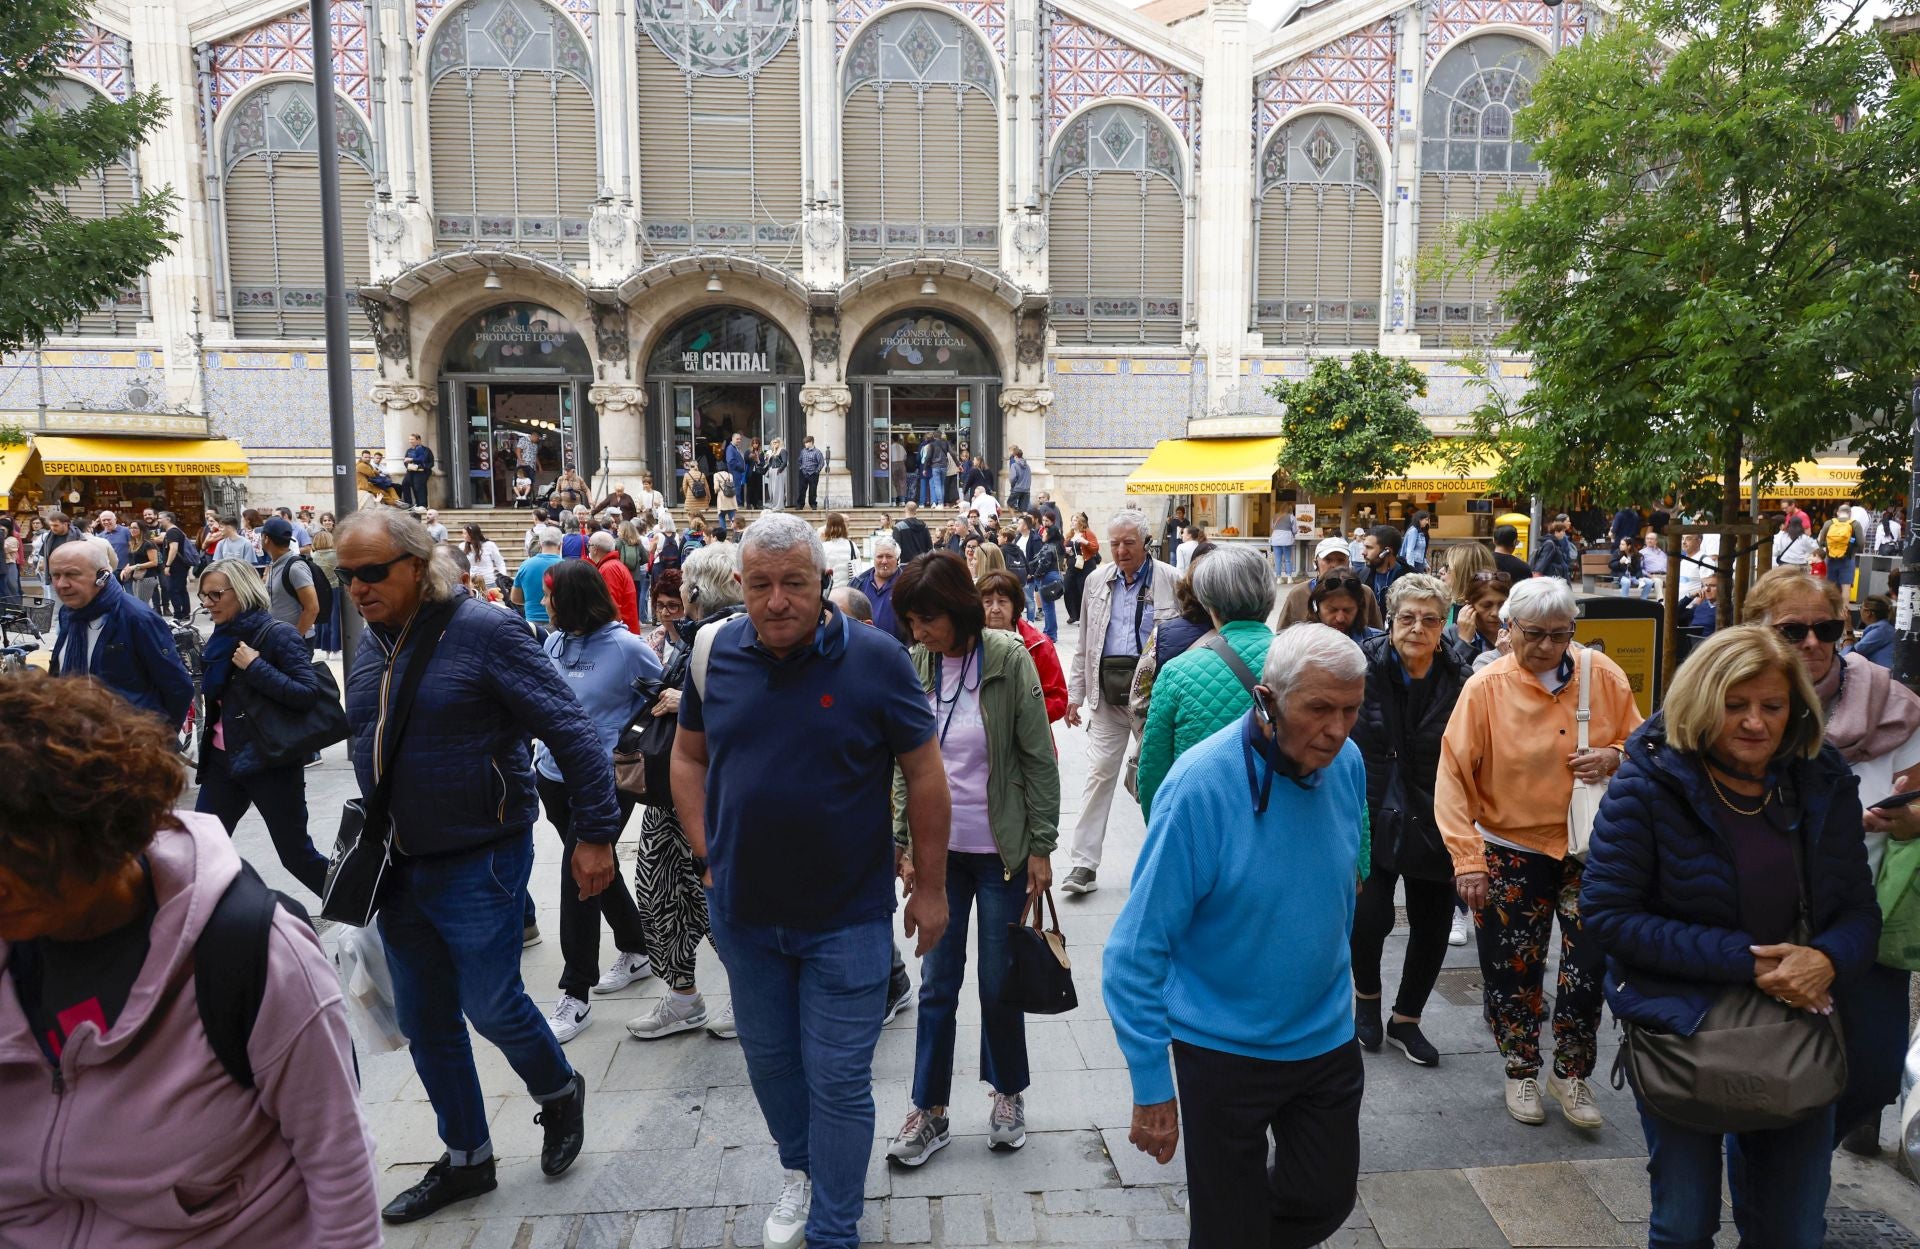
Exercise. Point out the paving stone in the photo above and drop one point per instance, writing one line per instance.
(690, 1060)
(1137, 1169)
(552, 1233)
(1127, 1201)
(1013, 1217)
(1546, 1204)
(1080, 1229)
(1050, 1160)
(1068, 1202)
(1352, 1238)
(909, 1221)
(451, 1235)
(604, 1231)
(1160, 1226)
(1620, 1183)
(873, 1223)
(749, 1225)
(1411, 1209)
(656, 1179)
(704, 1228)
(963, 1220)
(497, 1234)
(654, 1230)
(618, 1121)
(749, 1175)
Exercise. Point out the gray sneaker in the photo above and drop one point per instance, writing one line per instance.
(1007, 1125)
(669, 1015)
(922, 1136)
(722, 1025)
(1080, 880)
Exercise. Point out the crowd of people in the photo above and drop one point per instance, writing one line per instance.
(1311, 745)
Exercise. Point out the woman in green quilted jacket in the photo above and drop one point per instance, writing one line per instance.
(1199, 693)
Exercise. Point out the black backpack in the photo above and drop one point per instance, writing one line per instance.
(669, 556)
(230, 967)
(322, 588)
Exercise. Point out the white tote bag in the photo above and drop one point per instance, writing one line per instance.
(1585, 803)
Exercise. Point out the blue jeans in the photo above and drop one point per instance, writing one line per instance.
(452, 930)
(1003, 1030)
(937, 488)
(1777, 1181)
(808, 1005)
(1283, 560)
(1048, 606)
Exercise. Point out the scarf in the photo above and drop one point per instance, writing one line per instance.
(1868, 715)
(75, 625)
(217, 655)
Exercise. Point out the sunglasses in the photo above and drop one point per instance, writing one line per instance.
(372, 574)
(1493, 575)
(1827, 631)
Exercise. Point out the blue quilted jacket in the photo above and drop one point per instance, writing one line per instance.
(1661, 897)
(464, 771)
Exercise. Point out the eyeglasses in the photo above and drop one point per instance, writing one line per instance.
(1407, 620)
(372, 574)
(1827, 631)
(1559, 637)
(211, 597)
(1494, 575)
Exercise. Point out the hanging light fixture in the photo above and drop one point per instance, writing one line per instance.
(927, 287)
(714, 285)
(493, 280)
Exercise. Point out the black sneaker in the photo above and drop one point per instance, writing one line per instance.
(1863, 1141)
(1366, 1021)
(898, 995)
(444, 1184)
(1408, 1039)
(564, 1120)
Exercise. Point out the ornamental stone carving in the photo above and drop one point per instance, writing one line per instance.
(826, 403)
(1026, 400)
(402, 396)
(1030, 345)
(824, 329)
(617, 400)
(610, 332)
(392, 329)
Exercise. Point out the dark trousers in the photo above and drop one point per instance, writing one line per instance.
(1777, 1182)
(1228, 1105)
(809, 490)
(1873, 1017)
(1525, 891)
(280, 795)
(580, 917)
(1019, 500)
(971, 879)
(173, 593)
(1076, 589)
(413, 489)
(1429, 915)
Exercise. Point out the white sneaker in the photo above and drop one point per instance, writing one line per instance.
(669, 1015)
(722, 1026)
(1523, 1100)
(1458, 934)
(788, 1223)
(1576, 1101)
(623, 971)
(569, 1019)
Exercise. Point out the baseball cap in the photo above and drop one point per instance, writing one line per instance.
(1330, 546)
(279, 529)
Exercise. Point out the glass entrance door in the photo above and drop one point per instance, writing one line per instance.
(517, 440)
(902, 420)
(705, 419)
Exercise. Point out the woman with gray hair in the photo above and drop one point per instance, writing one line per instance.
(1203, 689)
(1413, 681)
(1507, 767)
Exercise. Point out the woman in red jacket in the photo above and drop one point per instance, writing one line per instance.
(1003, 597)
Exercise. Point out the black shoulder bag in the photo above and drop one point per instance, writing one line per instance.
(1039, 979)
(284, 734)
(363, 850)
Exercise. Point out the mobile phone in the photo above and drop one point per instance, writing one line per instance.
(1897, 800)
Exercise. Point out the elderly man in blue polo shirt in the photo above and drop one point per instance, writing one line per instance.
(790, 724)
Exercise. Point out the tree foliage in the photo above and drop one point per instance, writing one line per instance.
(55, 266)
(1721, 263)
(1350, 424)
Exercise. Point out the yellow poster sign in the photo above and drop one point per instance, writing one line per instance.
(1629, 643)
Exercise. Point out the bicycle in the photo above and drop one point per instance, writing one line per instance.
(186, 640)
(13, 656)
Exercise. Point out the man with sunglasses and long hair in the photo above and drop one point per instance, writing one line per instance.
(453, 745)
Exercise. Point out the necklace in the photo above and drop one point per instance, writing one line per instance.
(1727, 802)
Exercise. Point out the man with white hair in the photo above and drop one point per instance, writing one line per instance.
(108, 528)
(877, 584)
(113, 637)
(603, 552)
(801, 876)
(1257, 843)
(1123, 600)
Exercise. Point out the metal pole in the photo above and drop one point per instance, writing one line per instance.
(1906, 646)
(346, 493)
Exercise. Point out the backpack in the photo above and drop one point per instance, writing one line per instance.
(322, 588)
(1839, 539)
(230, 967)
(697, 489)
(669, 556)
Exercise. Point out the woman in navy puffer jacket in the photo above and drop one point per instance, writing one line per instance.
(1691, 888)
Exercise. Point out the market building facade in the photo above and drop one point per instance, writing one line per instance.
(605, 236)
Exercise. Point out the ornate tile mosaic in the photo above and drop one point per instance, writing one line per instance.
(79, 387)
(989, 15)
(284, 45)
(279, 399)
(1120, 408)
(1448, 20)
(103, 56)
(1085, 65)
(1355, 70)
(424, 11)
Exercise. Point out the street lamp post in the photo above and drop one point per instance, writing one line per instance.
(1906, 646)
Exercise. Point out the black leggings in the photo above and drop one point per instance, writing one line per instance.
(580, 917)
(1429, 915)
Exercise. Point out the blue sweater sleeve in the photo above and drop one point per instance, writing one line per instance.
(1173, 873)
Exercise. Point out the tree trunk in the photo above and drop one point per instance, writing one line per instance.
(1346, 510)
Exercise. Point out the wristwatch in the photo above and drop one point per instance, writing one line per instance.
(700, 866)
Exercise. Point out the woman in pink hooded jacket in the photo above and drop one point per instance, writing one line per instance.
(122, 1127)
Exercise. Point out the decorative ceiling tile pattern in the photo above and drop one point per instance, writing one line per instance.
(989, 15)
(284, 45)
(1355, 70)
(103, 56)
(1085, 65)
(424, 11)
(1448, 20)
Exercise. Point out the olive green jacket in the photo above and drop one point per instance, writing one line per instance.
(1023, 773)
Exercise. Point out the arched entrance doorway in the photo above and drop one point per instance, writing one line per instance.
(720, 372)
(514, 406)
(916, 373)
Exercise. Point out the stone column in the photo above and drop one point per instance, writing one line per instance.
(1399, 334)
(406, 407)
(1026, 410)
(163, 58)
(826, 405)
(1225, 192)
(823, 258)
(1023, 225)
(622, 410)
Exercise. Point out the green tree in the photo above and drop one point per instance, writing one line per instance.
(55, 266)
(1721, 262)
(1350, 424)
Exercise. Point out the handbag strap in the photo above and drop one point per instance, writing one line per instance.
(1585, 713)
(400, 709)
(1040, 918)
(1218, 644)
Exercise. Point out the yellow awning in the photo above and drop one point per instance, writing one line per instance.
(1829, 477)
(140, 457)
(1207, 466)
(1434, 477)
(12, 460)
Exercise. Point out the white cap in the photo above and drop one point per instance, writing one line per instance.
(1330, 546)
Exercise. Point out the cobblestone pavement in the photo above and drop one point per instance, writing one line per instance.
(677, 1154)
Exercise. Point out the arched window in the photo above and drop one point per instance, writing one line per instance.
(100, 193)
(510, 112)
(1116, 229)
(1469, 158)
(920, 142)
(720, 128)
(1318, 264)
(271, 199)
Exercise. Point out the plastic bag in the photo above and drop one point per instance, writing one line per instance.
(1899, 894)
(367, 985)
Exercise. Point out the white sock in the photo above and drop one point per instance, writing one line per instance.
(688, 996)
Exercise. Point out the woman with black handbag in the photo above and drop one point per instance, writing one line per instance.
(252, 658)
(1727, 884)
(1413, 681)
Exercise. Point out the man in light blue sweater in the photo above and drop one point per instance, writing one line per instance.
(1232, 951)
